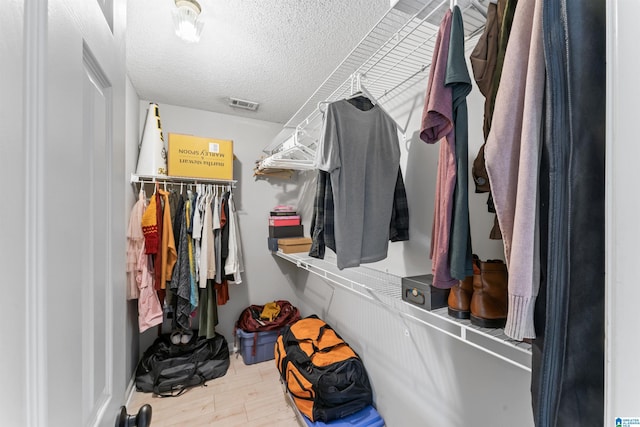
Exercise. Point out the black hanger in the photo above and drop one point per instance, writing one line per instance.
(360, 101)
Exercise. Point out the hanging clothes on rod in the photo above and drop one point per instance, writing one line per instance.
(360, 96)
(457, 77)
(167, 242)
(207, 266)
(181, 283)
(487, 60)
(196, 229)
(513, 153)
(207, 311)
(234, 264)
(140, 280)
(189, 214)
(360, 151)
(135, 244)
(322, 222)
(149, 306)
(437, 123)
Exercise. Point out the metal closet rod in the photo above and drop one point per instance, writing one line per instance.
(151, 179)
(189, 185)
(216, 189)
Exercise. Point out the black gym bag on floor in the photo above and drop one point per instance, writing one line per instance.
(168, 369)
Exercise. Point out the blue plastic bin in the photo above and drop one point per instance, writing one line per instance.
(368, 417)
(264, 345)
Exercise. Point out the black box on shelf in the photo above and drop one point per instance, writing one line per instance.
(272, 242)
(282, 213)
(419, 291)
(286, 231)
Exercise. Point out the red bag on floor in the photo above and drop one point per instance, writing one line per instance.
(250, 321)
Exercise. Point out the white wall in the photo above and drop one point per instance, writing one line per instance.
(424, 378)
(262, 281)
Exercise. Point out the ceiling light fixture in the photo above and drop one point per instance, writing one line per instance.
(185, 18)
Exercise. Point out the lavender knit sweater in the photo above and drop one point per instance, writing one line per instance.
(513, 157)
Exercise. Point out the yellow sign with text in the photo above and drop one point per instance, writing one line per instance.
(200, 157)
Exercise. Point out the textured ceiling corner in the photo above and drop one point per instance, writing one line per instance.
(272, 52)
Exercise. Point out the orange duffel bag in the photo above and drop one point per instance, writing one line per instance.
(324, 376)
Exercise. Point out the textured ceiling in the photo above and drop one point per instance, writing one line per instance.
(275, 52)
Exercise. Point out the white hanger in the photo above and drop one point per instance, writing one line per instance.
(374, 101)
(294, 156)
(358, 89)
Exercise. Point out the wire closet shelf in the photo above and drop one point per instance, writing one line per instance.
(391, 62)
(385, 289)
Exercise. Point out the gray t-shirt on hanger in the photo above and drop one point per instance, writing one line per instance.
(360, 150)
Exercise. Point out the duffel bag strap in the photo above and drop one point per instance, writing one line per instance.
(321, 331)
(328, 349)
(179, 390)
(291, 338)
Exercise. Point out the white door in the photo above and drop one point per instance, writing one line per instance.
(623, 204)
(62, 232)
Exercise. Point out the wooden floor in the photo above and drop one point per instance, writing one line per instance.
(248, 395)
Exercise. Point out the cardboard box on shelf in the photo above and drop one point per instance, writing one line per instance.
(200, 157)
(294, 245)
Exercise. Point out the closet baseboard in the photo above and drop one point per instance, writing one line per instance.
(128, 393)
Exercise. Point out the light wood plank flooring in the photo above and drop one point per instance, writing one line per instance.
(248, 395)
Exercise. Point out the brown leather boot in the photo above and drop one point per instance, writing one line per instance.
(460, 298)
(459, 301)
(489, 302)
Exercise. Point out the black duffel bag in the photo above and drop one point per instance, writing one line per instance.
(168, 369)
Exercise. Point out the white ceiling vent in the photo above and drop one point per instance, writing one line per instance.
(245, 105)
